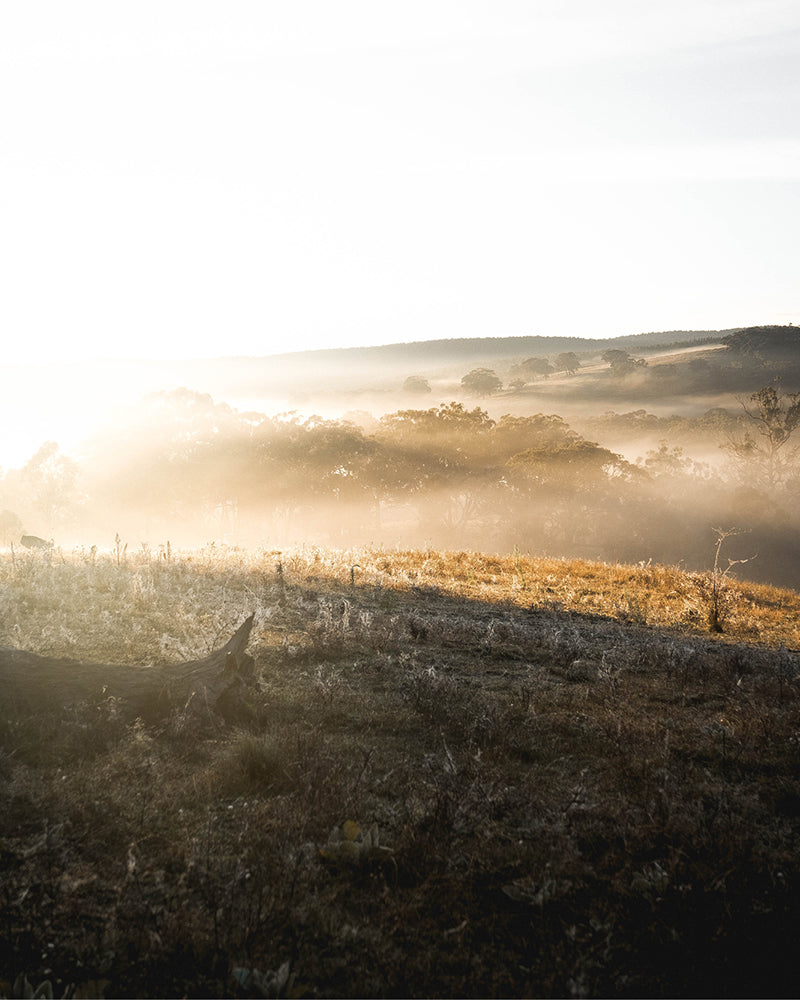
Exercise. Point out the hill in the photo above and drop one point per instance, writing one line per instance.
(352, 371)
(678, 365)
(357, 369)
(66, 402)
(456, 349)
(455, 775)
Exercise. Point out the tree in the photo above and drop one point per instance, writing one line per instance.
(763, 342)
(441, 460)
(49, 480)
(615, 356)
(430, 447)
(571, 466)
(444, 420)
(621, 363)
(416, 385)
(567, 362)
(512, 434)
(766, 458)
(666, 461)
(536, 366)
(567, 491)
(481, 382)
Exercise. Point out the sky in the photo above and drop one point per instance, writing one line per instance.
(186, 178)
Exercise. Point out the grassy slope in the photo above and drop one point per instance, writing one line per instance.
(582, 791)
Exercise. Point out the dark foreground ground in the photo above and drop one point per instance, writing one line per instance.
(454, 777)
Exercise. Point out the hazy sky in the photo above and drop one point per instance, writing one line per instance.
(190, 178)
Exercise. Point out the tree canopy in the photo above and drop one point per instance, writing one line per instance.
(449, 474)
(568, 362)
(481, 382)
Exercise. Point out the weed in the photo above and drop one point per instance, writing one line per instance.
(713, 585)
(119, 549)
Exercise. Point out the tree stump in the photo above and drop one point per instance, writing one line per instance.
(35, 684)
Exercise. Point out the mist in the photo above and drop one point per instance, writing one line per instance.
(636, 463)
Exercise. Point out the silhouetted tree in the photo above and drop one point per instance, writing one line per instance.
(570, 466)
(481, 382)
(512, 435)
(615, 356)
(567, 491)
(764, 342)
(568, 362)
(436, 444)
(416, 385)
(443, 455)
(621, 363)
(536, 366)
(666, 461)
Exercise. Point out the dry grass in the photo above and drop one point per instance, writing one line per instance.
(458, 775)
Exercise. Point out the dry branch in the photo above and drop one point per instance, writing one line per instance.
(33, 684)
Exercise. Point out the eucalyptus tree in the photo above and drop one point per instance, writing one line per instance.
(764, 455)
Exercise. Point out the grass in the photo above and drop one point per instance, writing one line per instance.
(458, 775)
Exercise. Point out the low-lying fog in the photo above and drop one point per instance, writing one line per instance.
(274, 452)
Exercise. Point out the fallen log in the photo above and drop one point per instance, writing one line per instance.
(33, 684)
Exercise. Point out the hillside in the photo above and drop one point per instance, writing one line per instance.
(358, 369)
(458, 349)
(617, 457)
(67, 402)
(678, 367)
(455, 775)
(345, 370)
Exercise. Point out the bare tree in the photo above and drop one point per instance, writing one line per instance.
(765, 457)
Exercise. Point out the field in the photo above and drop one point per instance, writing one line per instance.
(454, 775)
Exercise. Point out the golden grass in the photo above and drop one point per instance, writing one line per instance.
(148, 609)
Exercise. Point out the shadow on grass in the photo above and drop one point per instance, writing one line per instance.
(423, 795)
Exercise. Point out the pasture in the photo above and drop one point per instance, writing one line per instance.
(450, 774)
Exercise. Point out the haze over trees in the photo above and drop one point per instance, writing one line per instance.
(621, 363)
(417, 385)
(765, 454)
(597, 481)
(567, 361)
(535, 367)
(460, 577)
(481, 382)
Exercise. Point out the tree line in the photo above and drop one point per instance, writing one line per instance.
(192, 469)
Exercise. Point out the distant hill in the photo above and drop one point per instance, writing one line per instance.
(333, 368)
(324, 377)
(336, 380)
(456, 350)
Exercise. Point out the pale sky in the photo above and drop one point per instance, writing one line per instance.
(193, 178)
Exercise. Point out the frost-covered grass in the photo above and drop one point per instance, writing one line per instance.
(458, 775)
